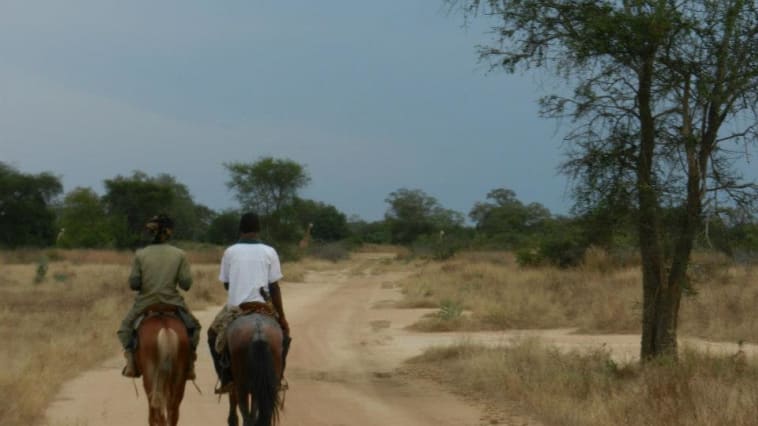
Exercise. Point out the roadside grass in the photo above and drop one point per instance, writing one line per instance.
(499, 294)
(66, 323)
(496, 294)
(589, 389)
(489, 291)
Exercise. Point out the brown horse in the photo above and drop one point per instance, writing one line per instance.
(255, 349)
(162, 355)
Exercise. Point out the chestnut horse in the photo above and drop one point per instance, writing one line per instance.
(162, 356)
(255, 349)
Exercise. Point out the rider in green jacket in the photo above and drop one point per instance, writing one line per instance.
(157, 271)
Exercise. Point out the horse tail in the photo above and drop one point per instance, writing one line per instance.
(260, 386)
(168, 348)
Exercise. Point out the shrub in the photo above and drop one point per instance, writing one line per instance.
(330, 251)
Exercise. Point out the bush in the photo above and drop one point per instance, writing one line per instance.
(330, 251)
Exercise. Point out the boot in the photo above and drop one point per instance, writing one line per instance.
(224, 375)
(191, 367)
(130, 370)
(283, 384)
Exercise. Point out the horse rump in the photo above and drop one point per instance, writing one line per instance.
(258, 387)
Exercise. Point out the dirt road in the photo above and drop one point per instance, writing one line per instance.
(342, 367)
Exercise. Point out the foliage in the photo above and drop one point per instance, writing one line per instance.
(267, 185)
(40, 273)
(664, 93)
(223, 228)
(27, 217)
(413, 213)
(191, 220)
(508, 221)
(83, 220)
(450, 310)
(329, 224)
(377, 232)
(131, 200)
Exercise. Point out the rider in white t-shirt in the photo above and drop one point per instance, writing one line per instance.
(250, 271)
(249, 266)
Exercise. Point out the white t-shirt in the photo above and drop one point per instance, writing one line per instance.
(248, 267)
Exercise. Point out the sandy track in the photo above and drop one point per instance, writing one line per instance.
(342, 368)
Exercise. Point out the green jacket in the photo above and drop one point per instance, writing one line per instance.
(156, 271)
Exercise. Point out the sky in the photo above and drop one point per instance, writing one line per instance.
(369, 96)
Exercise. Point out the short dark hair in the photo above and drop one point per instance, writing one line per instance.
(163, 220)
(249, 222)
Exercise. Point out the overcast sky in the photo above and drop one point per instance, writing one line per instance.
(370, 96)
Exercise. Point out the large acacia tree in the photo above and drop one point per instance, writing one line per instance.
(269, 186)
(663, 105)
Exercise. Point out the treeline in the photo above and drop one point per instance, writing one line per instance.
(35, 212)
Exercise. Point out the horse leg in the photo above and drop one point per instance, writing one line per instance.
(233, 420)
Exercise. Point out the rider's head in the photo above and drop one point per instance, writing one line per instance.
(161, 227)
(250, 223)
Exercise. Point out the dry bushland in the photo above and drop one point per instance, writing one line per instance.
(589, 389)
(476, 291)
(66, 322)
(489, 291)
(59, 311)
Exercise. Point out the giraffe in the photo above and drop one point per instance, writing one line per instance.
(305, 242)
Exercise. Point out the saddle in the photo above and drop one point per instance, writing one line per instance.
(262, 308)
(157, 310)
(161, 309)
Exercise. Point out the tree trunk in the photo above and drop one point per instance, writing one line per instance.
(660, 301)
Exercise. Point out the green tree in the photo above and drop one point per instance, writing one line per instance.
(130, 201)
(83, 220)
(506, 219)
(413, 213)
(223, 228)
(190, 219)
(329, 224)
(26, 214)
(269, 187)
(663, 93)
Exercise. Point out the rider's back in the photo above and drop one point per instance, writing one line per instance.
(158, 268)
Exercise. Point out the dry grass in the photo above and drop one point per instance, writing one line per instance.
(65, 324)
(590, 389)
(595, 298)
(204, 254)
(501, 295)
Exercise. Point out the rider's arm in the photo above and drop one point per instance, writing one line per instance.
(135, 277)
(223, 274)
(276, 300)
(185, 276)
